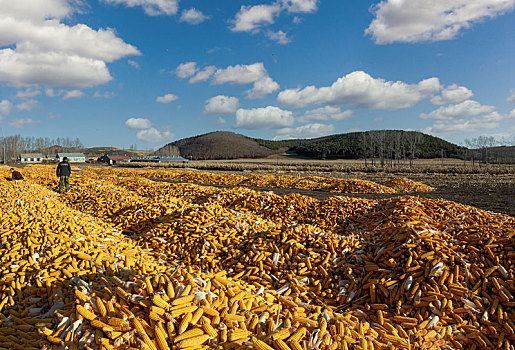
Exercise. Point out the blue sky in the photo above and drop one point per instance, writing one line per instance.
(146, 72)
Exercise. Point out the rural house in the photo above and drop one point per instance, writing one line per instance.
(72, 157)
(31, 158)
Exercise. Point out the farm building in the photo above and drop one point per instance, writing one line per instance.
(72, 157)
(114, 158)
(31, 158)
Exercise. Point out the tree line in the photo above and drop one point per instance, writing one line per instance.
(12, 146)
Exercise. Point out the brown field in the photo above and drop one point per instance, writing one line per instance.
(489, 187)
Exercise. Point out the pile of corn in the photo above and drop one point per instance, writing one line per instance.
(235, 268)
(328, 184)
(405, 185)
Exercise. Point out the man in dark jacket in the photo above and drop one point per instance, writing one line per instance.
(16, 175)
(63, 171)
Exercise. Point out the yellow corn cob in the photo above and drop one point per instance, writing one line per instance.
(161, 339)
(159, 302)
(194, 341)
(261, 345)
(184, 323)
(194, 332)
(81, 310)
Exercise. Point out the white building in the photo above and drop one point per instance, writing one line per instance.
(72, 157)
(31, 158)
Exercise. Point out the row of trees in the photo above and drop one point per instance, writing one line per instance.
(12, 146)
(489, 150)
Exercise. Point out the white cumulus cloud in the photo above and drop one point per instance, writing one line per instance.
(246, 74)
(138, 123)
(251, 18)
(280, 37)
(193, 16)
(221, 104)
(452, 94)
(27, 93)
(305, 131)
(19, 123)
(326, 113)
(263, 118)
(72, 94)
(465, 117)
(203, 75)
(167, 98)
(151, 7)
(262, 87)
(361, 90)
(39, 49)
(5, 108)
(186, 70)
(154, 135)
(27, 105)
(296, 6)
(240, 74)
(422, 20)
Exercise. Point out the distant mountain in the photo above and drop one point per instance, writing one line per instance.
(217, 145)
(381, 143)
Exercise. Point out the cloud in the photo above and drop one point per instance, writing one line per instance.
(106, 94)
(452, 94)
(326, 113)
(193, 16)
(27, 105)
(263, 118)
(154, 135)
(151, 7)
(465, 117)
(305, 131)
(186, 70)
(72, 94)
(295, 6)
(221, 120)
(280, 37)
(420, 20)
(361, 90)
(240, 74)
(134, 64)
(467, 108)
(511, 98)
(138, 123)
(262, 87)
(221, 105)
(50, 92)
(246, 74)
(167, 98)
(39, 49)
(19, 123)
(251, 18)
(203, 75)
(27, 93)
(5, 108)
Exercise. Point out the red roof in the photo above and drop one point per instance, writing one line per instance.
(115, 157)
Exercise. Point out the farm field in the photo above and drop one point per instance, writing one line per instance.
(138, 258)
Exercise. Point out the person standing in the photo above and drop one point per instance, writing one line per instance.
(64, 171)
(16, 175)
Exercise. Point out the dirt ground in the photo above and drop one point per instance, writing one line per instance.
(489, 192)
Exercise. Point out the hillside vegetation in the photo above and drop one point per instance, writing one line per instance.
(217, 145)
(383, 144)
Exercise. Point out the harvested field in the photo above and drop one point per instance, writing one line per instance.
(125, 261)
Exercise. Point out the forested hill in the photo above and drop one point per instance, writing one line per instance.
(392, 144)
(217, 145)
